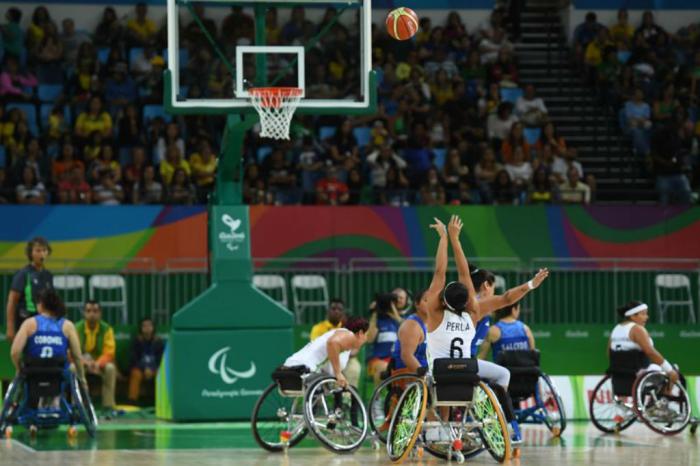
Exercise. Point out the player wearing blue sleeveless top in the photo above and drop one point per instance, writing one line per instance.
(482, 329)
(48, 340)
(414, 335)
(508, 334)
(383, 329)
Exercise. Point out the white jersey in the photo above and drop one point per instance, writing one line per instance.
(620, 338)
(452, 338)
(315, 354)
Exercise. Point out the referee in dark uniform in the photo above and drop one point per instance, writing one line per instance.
(27, 285)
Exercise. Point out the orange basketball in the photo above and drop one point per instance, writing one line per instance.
(402, 23)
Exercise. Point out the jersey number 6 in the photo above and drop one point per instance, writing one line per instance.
(456, 351)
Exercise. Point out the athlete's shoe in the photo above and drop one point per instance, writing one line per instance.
(514, 430)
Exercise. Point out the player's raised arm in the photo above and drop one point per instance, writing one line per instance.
(438, 282)
(512, 296)
(465, 278)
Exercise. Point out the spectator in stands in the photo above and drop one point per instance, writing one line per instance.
(383, 331)
(595, 51)
(170, 137)
(130, 133)
(504, 70)
(141, 30)
(85, 83)
(12, 36)
(107, 191)
(432, 191)
(495, 22)
(34, 159)
(281, 178)
(343, 147)
(57, 124)
(531, 109)
(585, 33)
(561, 165)
(120, 89)
(147, 190)
(73, 189)
(667, 157)
(173, 161)
(473, 72)
(180, 190)
(13, 82)
(490, 103)
(541, 191)
(666, 106)
(204, 165)
(254, 186)
(357, 187)
(648, 34)
(489, 47)
(31, 190)
(573, 191)
(500, 123)
(146, 353)
(485, 171)
(133, 172)
(310, 162)
(5, 189)
(99, 349)
(36, 31)
(63, 166)
(379, 161)
(331, 190)
(94, 119)
(71, 40)
(441, 89)
(638, 123)
(551, 138)
(502, 189)
(272, 29)
(395, 192)
(295, 27)
(515, 139)
(622, 32)
(237, 28)
(49, 55)
(519, 170)
(105, 162)
(193, 34)
(454, 172)
(109, 31)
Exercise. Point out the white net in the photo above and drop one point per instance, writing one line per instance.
(276, 106)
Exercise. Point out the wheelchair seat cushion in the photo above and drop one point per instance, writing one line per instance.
(43, 366)
(289, 378)
(524, 369)
(455, 379)
(518, 358)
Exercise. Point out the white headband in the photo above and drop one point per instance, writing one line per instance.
(636, 309)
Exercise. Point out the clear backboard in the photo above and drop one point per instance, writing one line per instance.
(218, 50)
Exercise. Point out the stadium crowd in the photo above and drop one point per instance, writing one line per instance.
(81, 119)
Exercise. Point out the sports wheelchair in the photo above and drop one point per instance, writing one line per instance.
(628, 392)
(29, 400)
(298, 402)
(528, 381)
(464, 415)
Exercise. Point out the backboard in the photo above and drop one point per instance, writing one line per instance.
(219, 49)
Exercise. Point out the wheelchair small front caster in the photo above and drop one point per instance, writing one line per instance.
(33, 430)
(516, 452)
(556, 432)
(376, 445)
(72, 432)
(459, 457)
(7, 432)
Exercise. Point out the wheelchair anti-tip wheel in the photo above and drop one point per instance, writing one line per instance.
(10, 406)
(83, 407)
(471, 442)
(608, 412)
(383, 402)
(407, 421)
(278, 420)
(336, 416)
(551, 405)
(494, 432)
(663, 411)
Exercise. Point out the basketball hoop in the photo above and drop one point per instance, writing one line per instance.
(276, 106)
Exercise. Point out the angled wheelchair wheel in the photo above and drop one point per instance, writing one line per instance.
(665, 412)
(11, 404)
(383, 401)
(336, 416)
(278, 420)
(471, 445)
(494, 432)
(550, 403)
(407, 421)
(83, 407)
(608, 412)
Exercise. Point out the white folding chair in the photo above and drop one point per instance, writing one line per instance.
(305, 289)
(110, 284)
(72, 289)
(499, 284)
(272, 284)
(679, 285)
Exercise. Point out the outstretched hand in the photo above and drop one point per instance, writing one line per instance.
(539, 277)
(455, 226)
(439, 227)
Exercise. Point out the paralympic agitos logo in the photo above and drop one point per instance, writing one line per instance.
(217, 365)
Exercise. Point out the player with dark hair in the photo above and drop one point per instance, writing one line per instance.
(631, 334)
(27, 285)
(508, 334)
(330, 352)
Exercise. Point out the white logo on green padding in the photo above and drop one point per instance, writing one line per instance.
(217, 365)
(231, 239)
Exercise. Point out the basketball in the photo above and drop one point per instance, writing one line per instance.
(402, 23)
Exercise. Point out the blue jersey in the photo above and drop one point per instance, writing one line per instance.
(48, 341)
(421, 352)
(482, 329)
(387, 335)
(513, 337)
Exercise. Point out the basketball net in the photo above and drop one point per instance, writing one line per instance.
(276, 106)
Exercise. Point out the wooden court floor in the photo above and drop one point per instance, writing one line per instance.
(218, 444)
